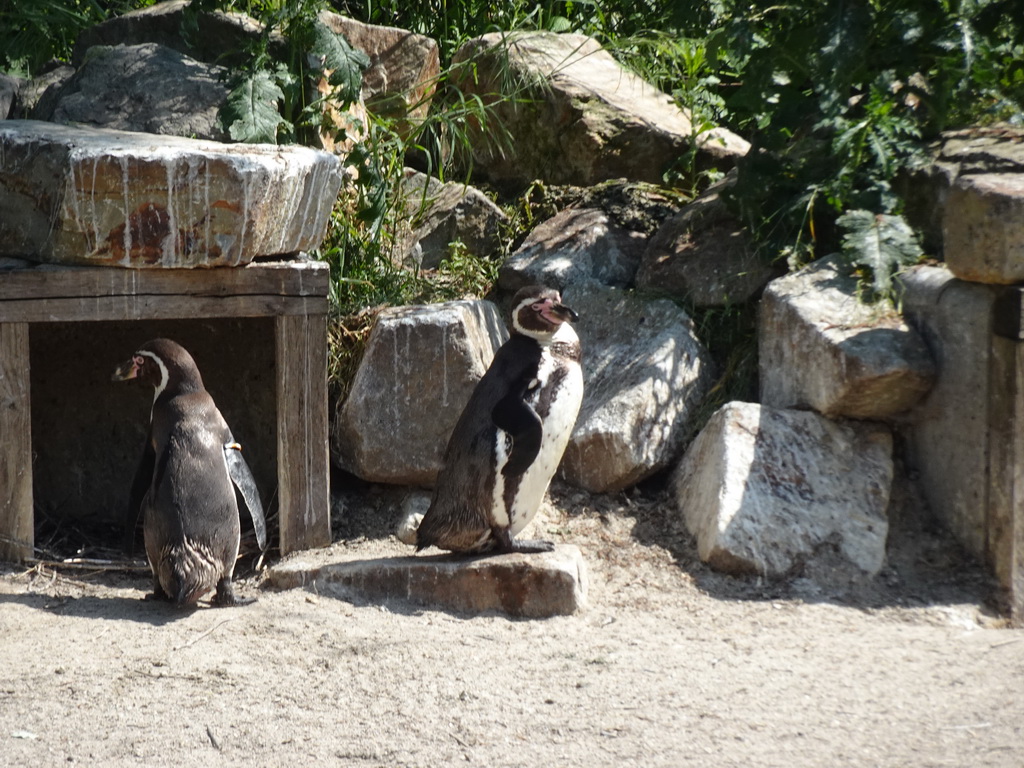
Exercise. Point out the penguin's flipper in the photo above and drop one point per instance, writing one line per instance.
(140, 485)
(242, 477)
(513, 415)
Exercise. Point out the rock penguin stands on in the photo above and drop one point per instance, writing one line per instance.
(510, 438)
(183, 484)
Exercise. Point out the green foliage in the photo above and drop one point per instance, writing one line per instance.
(32, 32)
(836, 97)
(345, 63)
(251, 113)
(880, 244)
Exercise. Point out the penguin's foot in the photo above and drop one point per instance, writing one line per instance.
(158, 593)
(503, 544)
(226, 595)
(532, 546)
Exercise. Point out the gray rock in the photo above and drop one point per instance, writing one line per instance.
(949, 437)
(211, 36)
(404, 66)
(417, 373)
(703, 256)
(820, 347)
(148, 88)
(522, 586)
(983, 228)
(115, 198)
(645, 375)
(580, 118)
(769, 491)
(399, 82)
(972, 151)
(964, 440)
(576, 246)
(440, 214)
(9, 87)
(40, 91)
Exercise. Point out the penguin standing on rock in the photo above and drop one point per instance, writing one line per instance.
(510, 438)
(183, 485)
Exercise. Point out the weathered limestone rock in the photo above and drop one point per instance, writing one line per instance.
(972, 151)
(575, 246)
(443, 213)
(31, 93)
(214, 37)
(645, 374)
(949, 438)
(114, 198)
(518, 585)
(404, 66)
(767, 491)
(416, 376)
(704, 256)
(820, 347)
(581, 117)
(148, 88)
(965, 440)
(9, 87)
(399, 81)
(984, 228)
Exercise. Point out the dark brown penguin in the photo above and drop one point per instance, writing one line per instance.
(183, 485)
(511, 436)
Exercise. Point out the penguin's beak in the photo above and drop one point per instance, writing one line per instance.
(126, 370)
(564, 313)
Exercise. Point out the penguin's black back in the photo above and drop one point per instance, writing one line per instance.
(461, 505)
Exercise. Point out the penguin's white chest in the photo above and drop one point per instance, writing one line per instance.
(556, 395)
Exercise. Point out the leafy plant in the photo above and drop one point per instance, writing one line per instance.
(880, 244)
(35, 32)
(837, 97)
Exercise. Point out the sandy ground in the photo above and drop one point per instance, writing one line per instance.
(670, 665)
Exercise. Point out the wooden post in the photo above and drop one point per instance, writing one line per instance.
(1005, 401)
(16, 519)
(302, 432)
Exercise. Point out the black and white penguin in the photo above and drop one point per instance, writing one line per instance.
(183, 485)
(509, 440)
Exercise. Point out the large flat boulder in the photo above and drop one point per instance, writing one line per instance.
(518, 585)
(418, 371)
(574, 115)
(116, 198)
(821, 347)
(148, 87)
(645, 375)
(769, 491)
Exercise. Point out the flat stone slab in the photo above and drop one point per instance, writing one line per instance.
(821, 347)
(533, 586)
(984, 228)
(117, 198)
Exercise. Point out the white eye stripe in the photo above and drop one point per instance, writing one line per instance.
(164, 376)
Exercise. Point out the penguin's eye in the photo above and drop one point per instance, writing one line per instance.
(139, 360)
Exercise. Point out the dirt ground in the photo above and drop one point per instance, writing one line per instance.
(671, 664)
